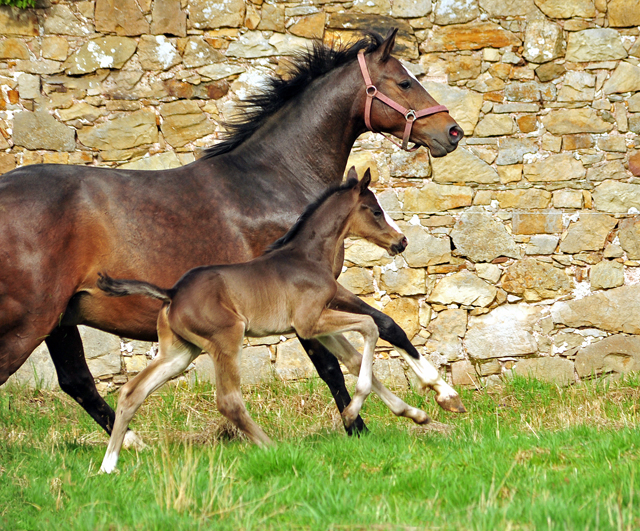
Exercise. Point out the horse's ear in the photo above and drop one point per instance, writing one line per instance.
(387, 46)
(365, 181)
(352, 177)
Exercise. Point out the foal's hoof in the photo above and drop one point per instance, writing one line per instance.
(132, 441)
(348, 419)
(422, 418)
(451, 403)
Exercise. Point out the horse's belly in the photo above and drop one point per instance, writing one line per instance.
(269, 325)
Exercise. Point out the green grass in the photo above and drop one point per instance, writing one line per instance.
(530, 456)
(22, 4)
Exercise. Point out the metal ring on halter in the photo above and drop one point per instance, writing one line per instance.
(410, 116)
(371, 94)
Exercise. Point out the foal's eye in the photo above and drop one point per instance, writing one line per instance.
(377, 213)
(404, 84)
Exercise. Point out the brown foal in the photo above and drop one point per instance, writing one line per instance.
(290, 288)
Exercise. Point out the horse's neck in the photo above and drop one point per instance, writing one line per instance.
(323, 234)
(311, 137)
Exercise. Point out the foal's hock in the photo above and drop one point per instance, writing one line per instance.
(290, 288)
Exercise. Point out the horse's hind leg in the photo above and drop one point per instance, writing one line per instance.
(329, 370)
(174, 356)
(226, 349)
(353, 359)
(75, 379)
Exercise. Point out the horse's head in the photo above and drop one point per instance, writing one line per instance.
(397, 103)
(369, 221)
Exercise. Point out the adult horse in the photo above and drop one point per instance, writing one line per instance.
(61, 225)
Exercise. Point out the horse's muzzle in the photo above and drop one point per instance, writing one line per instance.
(399, 247)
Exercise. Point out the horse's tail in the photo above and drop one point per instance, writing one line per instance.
(122, 288)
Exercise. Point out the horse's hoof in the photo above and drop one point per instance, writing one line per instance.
(422, 418)
(348, 420)
(451, 403)
(132, 441)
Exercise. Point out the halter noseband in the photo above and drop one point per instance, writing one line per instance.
(409, 114)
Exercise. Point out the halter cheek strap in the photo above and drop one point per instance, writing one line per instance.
(409, 114)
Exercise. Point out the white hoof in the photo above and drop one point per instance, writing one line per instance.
(133, 442)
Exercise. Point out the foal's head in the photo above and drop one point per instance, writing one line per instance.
(369, 221)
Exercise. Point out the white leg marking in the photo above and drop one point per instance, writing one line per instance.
(109, 462)
(168, 364)
(365, 376)
(348, 355)
(428, 375)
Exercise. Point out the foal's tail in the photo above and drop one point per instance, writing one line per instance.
(122, 288)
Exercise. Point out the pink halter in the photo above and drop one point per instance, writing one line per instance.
(409, 114)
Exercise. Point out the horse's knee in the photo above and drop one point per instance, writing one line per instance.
(370, 329)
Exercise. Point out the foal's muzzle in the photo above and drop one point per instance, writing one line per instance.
(399, 247)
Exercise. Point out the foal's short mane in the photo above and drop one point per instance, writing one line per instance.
(306, 67)
(308, 212)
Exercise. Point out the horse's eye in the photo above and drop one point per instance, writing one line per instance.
(377, 213)
(404, 84)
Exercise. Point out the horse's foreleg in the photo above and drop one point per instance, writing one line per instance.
(332, 322)
(352, 359)
(329, 370)
(446, 397)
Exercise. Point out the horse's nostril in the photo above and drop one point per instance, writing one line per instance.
(455, 134)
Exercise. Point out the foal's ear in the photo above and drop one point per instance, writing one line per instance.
(387, 46)
(352, 177)
(365, 181)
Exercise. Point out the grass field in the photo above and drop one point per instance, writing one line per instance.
(530, 456)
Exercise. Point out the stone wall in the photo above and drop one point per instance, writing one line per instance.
(524, 247)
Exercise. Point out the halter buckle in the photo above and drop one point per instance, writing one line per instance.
(410, 116)
(371, 91)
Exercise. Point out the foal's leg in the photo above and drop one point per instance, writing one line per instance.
(226, 349)
(348, 355)
(446, 397)
(331, 322)
(329, 370)
(174, 356)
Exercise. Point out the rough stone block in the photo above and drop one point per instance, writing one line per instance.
(504, 332)
(568, 199)
(463, 373)
(554, 370)
(292, 362)
(588, 234)
(606, 275)
(479, 237)
(391, 373)
(405, 281)
(357, 280)
(549, 222)
(463, 288)
(617, 353)
(614, 310)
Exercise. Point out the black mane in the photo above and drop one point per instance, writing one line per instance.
(306, 67)
(308, 212)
